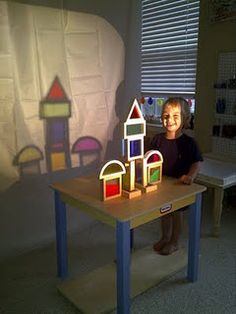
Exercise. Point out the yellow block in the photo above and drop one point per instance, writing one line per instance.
(131, 194)
(58, 161)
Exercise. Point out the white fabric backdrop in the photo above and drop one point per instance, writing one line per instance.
(38, 43)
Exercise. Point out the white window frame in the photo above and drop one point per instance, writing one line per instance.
(169, 43)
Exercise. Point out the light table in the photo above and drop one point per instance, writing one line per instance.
(125, 215)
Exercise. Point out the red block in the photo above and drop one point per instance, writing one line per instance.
(112, 189)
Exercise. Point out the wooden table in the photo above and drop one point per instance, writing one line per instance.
(218, 175)
(125, 215)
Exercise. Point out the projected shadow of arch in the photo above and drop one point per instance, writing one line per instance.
(28, 160)
(88, 149)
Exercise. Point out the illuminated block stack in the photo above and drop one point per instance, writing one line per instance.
(116, 177)
(111, 179)
(134, 132)
(151, 171)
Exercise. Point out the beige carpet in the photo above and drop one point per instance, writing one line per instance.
(95, 292)
(29, 281)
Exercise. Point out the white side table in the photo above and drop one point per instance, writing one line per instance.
(218, 175)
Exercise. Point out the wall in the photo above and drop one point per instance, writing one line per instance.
(26, 208)
(213, 39)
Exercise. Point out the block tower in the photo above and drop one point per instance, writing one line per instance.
(134, 132)
(141, 172)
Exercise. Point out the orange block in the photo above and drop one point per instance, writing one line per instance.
(58, 161)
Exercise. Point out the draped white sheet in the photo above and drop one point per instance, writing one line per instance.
(38, 43)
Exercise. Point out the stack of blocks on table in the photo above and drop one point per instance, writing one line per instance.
(140, 172)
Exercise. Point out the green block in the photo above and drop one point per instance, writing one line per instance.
(54, 110)
(135, 129)
(154, 175)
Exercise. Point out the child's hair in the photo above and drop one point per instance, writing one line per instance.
(184, 106)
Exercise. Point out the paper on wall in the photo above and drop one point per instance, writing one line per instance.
(39, 43)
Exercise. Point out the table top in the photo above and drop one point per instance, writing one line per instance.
(217, 173)
(84, 193)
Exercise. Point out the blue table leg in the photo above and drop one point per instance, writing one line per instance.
(61, 236)
(123, 267)
(194, 238)
(131, 239)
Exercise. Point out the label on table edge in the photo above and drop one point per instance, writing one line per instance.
(165, 208)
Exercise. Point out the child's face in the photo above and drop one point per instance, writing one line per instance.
(172, 118)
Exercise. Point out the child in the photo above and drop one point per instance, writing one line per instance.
(181, 159)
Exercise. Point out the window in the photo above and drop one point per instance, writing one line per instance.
(169, 48)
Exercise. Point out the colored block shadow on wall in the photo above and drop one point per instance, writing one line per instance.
(58, 161)
(88, 148)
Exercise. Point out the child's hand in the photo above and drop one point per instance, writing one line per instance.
(186, 179)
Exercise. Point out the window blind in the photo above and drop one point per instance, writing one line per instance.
(169, 43)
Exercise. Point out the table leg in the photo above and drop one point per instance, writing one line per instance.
(194, 238)
(131, 239)
(61, 236)
(123, 267)
(217, 209)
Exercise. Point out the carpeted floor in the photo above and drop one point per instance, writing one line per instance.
(28, 282)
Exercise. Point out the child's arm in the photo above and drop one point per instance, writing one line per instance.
(191, 175)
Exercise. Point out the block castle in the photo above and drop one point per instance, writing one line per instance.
(141, 172)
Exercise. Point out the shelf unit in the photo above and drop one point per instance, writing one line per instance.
(224, 129)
